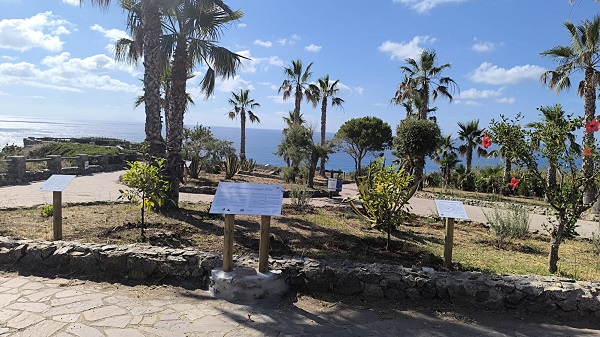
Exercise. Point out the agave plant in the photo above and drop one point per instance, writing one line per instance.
(232, 165)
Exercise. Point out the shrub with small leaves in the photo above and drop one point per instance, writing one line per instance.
(300, 196)
(508, 224)
(47, 211)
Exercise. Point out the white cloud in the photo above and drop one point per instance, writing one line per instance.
(278, 99)
(262, 43)
(242, 25)
(313, 48)
(423, 6)
(2, 93)
(471, 103)
(506, 100)
(10, 58)
(67, 74)
(480, 94)
(72, 2)
(250, 64)
(359, 90)
(282, 41)
(491, 74)
(112, 34)
(287, 41)
(482, 47)
(233, 84)
(42, 30)
(401, 51)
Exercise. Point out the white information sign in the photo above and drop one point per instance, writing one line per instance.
(451, 209)
(249, 199)
(57, 182)
(331, 184)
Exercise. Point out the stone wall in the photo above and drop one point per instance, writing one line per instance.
(549, 295)
(17, 172)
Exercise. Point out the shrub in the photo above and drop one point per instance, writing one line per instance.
(232, 166)
(146, 186)
(47, 211)
(384, 193)
(288, 174)
(248, 165)
(300, 196)
(508, 224)
(596, 241)
(195, 167)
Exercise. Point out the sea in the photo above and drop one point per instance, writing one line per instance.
(260, 143)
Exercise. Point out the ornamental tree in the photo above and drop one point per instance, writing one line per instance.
(566, 195)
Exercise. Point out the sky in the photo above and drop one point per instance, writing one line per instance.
(57, 60)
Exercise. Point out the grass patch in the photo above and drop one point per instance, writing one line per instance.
(318, 232)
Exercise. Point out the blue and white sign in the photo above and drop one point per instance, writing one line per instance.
(248, 199)
(57, 182)
(451, 209)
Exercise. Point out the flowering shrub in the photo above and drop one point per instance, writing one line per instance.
(592, 126)
(486, 141)
(514, 183)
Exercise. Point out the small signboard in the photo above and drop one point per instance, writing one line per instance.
(57, 182)
(248, 199)
(331, 184)
(451, 209)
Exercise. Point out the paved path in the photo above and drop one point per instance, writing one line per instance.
(106, 186)
(38, 307)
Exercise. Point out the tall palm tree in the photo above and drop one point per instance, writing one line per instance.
(581, 55)
(470, 134)
(323, 91)
(446, 157)
(241, 107)
(149, 35)
(296, 83)
(192, 31)
(423, 81)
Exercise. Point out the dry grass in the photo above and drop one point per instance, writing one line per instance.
(313, 232)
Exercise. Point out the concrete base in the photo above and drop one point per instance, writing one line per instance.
(245, 283)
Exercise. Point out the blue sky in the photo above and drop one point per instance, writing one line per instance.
(56, 58)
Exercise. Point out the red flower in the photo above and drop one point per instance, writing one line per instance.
(514, 182)
(587, 152)
(486, 141)
(592, 126)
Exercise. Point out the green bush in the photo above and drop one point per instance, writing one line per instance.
(248, 165)
(384, 193)
(74, 149)
(232, 165)
(47, 211)
(195, 167)
(146, 187)
(508, 224)
(596, 241)
(300, 196)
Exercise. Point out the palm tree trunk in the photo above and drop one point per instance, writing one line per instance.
(506, 175)
(323, 130)
(151, 28)
(424, 108)
(175, 128)
(589, 195)
(420, 166)
(298, 100)
(243, 135)
(469, 158)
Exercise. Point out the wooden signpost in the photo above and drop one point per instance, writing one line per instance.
(57, 183)
(249, 199)
(450, 210)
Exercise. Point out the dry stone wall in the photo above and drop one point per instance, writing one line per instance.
(550, 295)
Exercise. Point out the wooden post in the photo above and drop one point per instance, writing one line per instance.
(57, 211)
(228, 242)
(448, 242)
(263, 253)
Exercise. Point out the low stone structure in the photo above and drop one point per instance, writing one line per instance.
(549, 295)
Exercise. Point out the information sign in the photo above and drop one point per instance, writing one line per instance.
(332, 184)
(57, 182)
(451, 209)
(249, 199)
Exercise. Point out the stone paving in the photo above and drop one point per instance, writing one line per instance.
(39, 307)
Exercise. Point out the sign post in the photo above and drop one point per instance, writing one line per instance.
(450, 210)
(56, 183)
(249, 199)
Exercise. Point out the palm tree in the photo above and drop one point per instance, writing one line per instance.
(422, 81)
(446, 157)
(241, 106)
(470, 134)
(323, 91)
(296, 82)
(192, 31)
(581, 55)
(144, 25)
